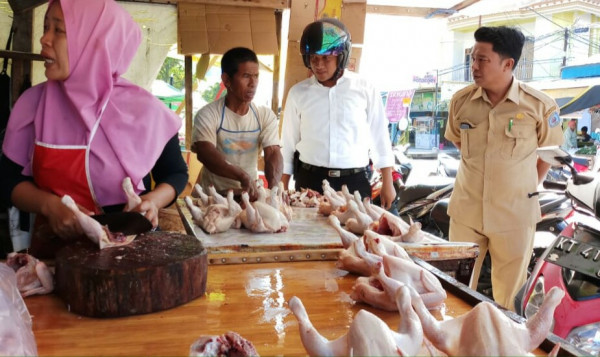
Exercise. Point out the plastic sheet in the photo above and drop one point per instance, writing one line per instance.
(16, 334)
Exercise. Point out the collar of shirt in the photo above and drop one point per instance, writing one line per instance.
(512, 94)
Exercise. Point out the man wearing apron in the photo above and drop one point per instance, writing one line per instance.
(229, 131)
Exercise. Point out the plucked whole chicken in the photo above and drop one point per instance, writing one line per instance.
(400, 268)
(33, 276)
(368, 335)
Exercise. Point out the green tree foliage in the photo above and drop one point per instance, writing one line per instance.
(173, 68)
(210, 94)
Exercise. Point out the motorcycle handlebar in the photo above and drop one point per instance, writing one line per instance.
(549, 185)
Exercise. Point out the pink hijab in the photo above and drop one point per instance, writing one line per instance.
(134, 126)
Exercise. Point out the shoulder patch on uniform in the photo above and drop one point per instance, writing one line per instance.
(554, 120)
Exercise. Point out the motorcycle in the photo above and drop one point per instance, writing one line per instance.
(400, 173)
(571, 263)
(448, 164)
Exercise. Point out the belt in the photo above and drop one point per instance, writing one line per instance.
(332, 172)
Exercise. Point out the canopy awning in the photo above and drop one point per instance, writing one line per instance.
(166, 92)
(587, 99)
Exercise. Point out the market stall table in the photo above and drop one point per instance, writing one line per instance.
(311, 237)
(249, 299)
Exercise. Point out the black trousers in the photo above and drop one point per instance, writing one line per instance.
(314, 180)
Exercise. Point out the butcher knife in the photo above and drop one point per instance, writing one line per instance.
(127, 223)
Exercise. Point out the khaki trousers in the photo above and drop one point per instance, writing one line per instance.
(510, 252)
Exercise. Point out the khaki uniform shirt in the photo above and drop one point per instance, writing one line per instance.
(498, 155)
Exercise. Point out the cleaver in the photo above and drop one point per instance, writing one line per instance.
(127, 223)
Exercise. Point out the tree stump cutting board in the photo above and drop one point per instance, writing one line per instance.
(157, 271)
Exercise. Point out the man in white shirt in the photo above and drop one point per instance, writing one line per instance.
(334, 120)
(570, 136)
(229, 132)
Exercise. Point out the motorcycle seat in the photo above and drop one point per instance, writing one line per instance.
(414, 192)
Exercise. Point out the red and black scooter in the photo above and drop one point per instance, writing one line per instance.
(571, 263)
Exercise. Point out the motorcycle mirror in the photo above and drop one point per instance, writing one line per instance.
(554, 155)
(403, 124)
(582, 178)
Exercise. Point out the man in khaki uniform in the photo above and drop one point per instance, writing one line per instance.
(497, 123)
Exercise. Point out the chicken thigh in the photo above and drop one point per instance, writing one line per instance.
(368, 334)
(33, 276)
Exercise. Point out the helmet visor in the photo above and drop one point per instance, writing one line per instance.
(332, 42)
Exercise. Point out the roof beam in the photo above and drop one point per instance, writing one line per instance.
(426, 12)
(463, 4)
(399, 10)
(271, 4)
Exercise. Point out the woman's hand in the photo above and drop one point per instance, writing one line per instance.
(61, 219)
(149, 209)
(160, 197)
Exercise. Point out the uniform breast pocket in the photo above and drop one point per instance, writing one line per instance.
(467, 139)
(519, 141)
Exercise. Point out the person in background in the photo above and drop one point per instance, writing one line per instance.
(334, 120)
(85, 129)
(570, 136)
(498, 123)
(229, 132)
(585, 137)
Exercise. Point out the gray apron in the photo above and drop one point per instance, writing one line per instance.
(240, 149)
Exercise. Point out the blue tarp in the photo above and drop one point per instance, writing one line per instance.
(589, 98)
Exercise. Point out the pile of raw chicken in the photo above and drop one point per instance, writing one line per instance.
(270, 213)
(392, 281)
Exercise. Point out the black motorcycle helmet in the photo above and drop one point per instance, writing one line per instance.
(326, 36)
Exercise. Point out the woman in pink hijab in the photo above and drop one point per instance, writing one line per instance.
(85, 129)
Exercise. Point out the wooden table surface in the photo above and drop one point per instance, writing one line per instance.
(248, 299)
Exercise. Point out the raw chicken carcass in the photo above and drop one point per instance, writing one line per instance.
(305, 198)
(217, 198)
(395, 226)
(205, 199)
(33, 276)
(368, 334)
(402, 269)
(487, 331)
(360, 221)
(348, 259)
(197, 213)
(220, 217)
(229, 344)
(260, 217)
(98, 233)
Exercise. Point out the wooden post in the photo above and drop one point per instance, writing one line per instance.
(276, 64)
(189, 105)
(22, 41)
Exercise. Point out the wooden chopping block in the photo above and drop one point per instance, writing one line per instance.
(157, 271)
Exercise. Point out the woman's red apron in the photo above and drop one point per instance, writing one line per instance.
(60, 169)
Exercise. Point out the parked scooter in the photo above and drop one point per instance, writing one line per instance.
(448, 164)
(571, 263)
(400, 173)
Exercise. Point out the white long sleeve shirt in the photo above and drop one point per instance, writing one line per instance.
(338, 127)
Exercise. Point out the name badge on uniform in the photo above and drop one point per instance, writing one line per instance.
(554, 120)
